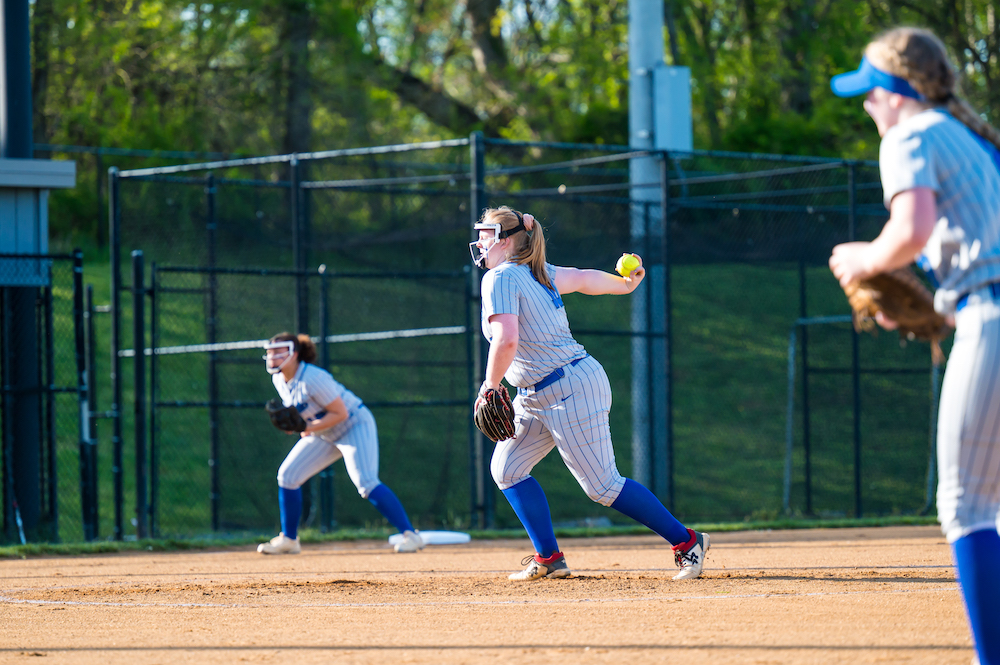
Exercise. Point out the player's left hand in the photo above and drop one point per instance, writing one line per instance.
(849, 262)
(479, 398)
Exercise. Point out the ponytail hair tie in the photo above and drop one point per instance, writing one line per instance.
(529, 222)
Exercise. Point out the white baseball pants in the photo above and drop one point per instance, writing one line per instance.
(968, 441)
(571, 415)
(357, 443)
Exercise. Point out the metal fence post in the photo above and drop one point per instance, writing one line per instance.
(855, 351)
(211, 329)
(114, 242)
(139, 406)
(80, 349)
(88, 466)
(49, 384)
(326, 498)
(806, 437)
(665, 250)
(6, 409)
(481, 481)
(298, 246)
(154, 392)
(99, 163)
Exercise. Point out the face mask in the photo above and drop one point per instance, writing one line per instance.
(289, 348)
(479, 253)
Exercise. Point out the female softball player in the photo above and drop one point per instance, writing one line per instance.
(338, 425)
(939, 166)
(563, 395)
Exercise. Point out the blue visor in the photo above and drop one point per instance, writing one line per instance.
(866, 77)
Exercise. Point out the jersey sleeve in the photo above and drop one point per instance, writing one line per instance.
(906, 161)
(323, 388)
(499, 294)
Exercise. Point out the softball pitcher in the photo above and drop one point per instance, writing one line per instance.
(338, 425)
(563, 395)
(939, 166)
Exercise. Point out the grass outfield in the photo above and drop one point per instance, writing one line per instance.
(731, 327)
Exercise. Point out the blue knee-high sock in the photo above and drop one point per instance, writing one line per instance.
(390, 507)
(531, 507)
(977, 558)
(290, 504)
(642, 505)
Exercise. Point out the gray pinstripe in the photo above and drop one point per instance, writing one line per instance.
(357, 443)
(545, 342)
(932, 149)
(311, 389)
(968, 495)
(572, 416)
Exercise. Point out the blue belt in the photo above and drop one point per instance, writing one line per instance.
(553, 377)
(964, 300)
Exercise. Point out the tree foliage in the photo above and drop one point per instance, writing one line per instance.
(265, 76)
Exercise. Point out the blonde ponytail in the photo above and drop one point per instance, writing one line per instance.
(528, 247)
(963, 112)
(919, 57)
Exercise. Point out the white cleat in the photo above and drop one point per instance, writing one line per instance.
(412, 542)
(553, 567)
(690, 556)
(280, 544)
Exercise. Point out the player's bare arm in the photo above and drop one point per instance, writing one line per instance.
(503, 346)
(336, 413)
(596, 282)
(912, 216)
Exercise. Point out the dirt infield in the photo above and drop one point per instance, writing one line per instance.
(822, 596)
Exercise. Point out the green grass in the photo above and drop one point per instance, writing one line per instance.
(731, 327)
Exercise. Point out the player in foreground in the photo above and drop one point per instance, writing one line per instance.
(563, 395)
(337, 425)
(940, 180)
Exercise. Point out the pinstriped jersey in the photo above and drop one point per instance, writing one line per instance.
(311, 389)
(545, 342)
(933, 150)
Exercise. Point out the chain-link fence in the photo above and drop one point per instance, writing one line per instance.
(47, 465)
(415, 381)
(698, 357)
(81, 211)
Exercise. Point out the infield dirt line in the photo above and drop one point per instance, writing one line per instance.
(504, 572)
(459, 603)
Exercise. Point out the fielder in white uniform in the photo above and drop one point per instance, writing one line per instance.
(338, 425)
(563, 395)
(939, 165)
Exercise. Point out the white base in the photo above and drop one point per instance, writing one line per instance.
(436, 538)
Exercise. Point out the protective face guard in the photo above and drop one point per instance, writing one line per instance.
(478, 253)
(289, 348)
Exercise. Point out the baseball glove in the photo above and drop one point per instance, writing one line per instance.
(495, 415)
(285, 418)
(903, 298)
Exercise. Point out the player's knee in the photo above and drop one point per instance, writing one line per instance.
(504, 477)
(365, 488)
(604, 491)
(288, 479)
(603, 497)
